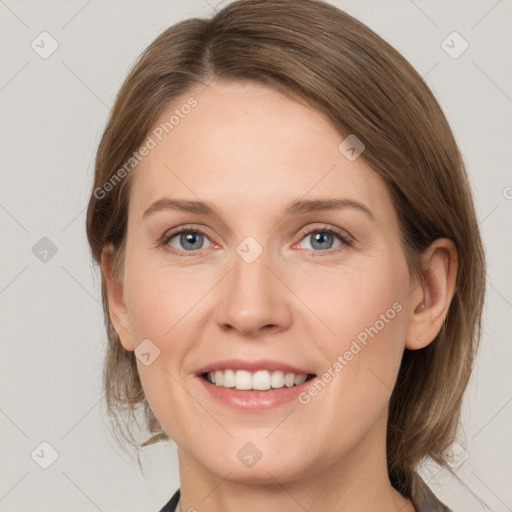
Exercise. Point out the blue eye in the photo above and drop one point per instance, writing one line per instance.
(188, 240)
(321, 240)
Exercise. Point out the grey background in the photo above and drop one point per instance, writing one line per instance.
(52, 337)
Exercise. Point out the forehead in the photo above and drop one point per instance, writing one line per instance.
(245, 145)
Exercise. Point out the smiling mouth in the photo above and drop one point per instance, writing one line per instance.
(261, 380)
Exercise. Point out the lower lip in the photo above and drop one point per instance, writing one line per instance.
(253, 400)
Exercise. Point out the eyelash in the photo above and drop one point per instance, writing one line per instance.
(345, 238)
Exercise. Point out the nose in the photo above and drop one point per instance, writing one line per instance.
(254, 299)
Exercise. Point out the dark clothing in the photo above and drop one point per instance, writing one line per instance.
(170, 506)
(425, 501)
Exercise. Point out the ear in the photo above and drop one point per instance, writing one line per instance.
(431, 300)
(117, 308)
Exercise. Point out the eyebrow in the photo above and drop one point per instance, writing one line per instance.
(294, 208)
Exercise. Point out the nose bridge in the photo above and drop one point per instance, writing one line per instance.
(253, 297)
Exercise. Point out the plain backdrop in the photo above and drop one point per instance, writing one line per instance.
(53, 110)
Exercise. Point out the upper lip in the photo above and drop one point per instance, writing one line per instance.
(252, 366)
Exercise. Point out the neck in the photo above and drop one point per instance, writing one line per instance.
(356, 482)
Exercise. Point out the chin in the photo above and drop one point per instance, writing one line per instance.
(266, 471)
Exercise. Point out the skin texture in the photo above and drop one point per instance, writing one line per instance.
(251, 151)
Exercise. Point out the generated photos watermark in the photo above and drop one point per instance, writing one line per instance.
(357, 344)
(157, 134)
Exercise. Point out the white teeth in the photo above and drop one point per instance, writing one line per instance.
(243, 380)
(228, 380)
(260, 380)
(299, 379)
(277, 379)
(289, 380)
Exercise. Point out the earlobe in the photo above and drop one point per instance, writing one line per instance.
(116, 304)
(430, 300)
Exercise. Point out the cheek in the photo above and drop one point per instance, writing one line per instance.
(161, 306)
(358, 302)
(164, 305)
(363, 315)
(159, 298)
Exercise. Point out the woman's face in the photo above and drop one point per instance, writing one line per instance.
(263, 284)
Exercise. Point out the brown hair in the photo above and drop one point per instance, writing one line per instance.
(323, 57)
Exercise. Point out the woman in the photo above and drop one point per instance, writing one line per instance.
(290, 376)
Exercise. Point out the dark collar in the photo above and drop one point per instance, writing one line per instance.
(424, 500)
